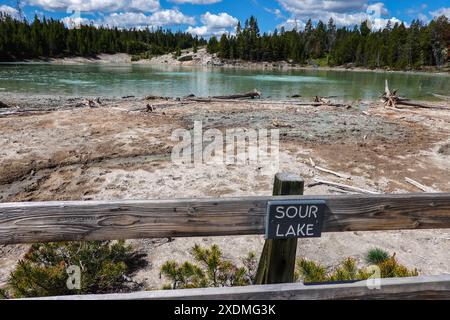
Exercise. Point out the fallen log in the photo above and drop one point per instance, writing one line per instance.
(421, 186)
(252, 95)
(391, 100)
(259, 102)
(440, 96)
(342, 186)
(420, 105)
(151, 97)
(327, 102)
(337, 174)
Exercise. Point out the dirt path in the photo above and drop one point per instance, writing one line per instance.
(119, 152)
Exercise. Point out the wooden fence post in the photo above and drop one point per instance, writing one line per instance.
(277, 263)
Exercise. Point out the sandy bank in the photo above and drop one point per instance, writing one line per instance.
(201, 58)
(119, 151)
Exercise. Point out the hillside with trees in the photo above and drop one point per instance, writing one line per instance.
(20, 39)
(396, 46)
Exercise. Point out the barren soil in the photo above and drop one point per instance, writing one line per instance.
(53, 149)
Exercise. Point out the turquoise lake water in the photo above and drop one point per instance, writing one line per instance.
(141, 80)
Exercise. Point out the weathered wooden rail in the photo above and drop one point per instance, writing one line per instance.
(430, 287)
(112, 220)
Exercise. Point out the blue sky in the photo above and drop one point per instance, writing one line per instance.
(214, 17)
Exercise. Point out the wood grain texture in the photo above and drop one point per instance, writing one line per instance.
(277, 262)
(110, 220)
(428, 287)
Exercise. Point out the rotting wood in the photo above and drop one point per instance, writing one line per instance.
(420, 186)
(423, 287)
(112, 220)
(343, 186)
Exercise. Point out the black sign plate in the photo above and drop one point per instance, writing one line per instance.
(295, 219)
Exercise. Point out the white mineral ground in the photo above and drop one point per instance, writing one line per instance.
(117, 152)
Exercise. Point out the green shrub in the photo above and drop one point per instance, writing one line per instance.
(3, 294)
(312, 272)
(210, 269)
(105, 266)
(392, 269)
(135, 58)
(377, 256)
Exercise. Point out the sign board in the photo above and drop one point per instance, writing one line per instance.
(295, 219)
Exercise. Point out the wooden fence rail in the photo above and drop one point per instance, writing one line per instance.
(429, 287)
(113, 220)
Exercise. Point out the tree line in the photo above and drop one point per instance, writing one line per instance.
(21, 39)
(395, 46)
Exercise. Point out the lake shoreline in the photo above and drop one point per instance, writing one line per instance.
(204, 59)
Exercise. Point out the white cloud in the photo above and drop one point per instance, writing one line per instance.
(97, 5)
(441, 12)
(140, 20)
(75, 21)
(199, 31)
(343, 12)
(303, 7)
(377, 9)
(215, 24)
(10, 11)
(276, 12)
(291, 24)
(217, 21)
(196, 1)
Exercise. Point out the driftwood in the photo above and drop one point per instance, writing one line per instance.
(392, 100)
(151, 97)
(442, 97)
(424, 106)
(341, 186)
(340, 175)
(420, 186)
(390, 97)
(150, 108)
(248, 95)
(337, 174)
(321, 101)
(259, 102)
(252, 95)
